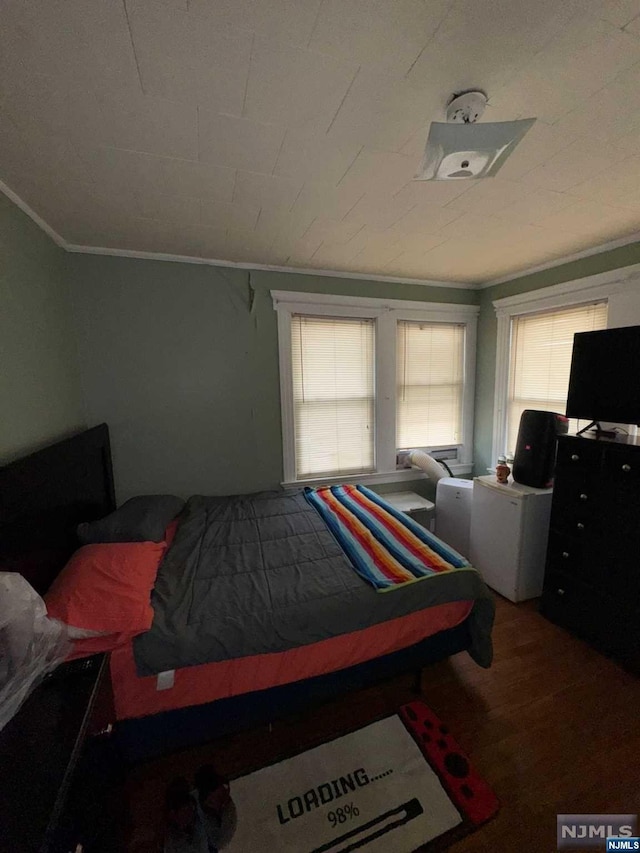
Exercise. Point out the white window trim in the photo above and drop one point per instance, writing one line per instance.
(594, 288)
(386, 313)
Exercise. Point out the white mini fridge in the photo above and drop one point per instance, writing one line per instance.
(509, 533)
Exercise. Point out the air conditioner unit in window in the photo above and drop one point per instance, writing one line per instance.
(445, 453)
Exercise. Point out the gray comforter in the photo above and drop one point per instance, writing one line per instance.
(262, 573)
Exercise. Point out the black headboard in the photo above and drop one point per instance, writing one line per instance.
(43, 498)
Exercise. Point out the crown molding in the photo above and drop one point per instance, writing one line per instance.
(188, 259)
(242, 265)
(24, 207)
(566, 259)
(598, 286)
(285, 299)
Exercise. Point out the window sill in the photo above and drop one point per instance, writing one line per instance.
(404, 475)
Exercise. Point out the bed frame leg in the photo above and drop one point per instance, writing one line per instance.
(417, 682)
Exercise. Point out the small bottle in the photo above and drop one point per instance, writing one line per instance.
(502, 470)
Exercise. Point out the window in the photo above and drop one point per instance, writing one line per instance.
(430, 371)
(333, 394)
(361, 378)
(534, 345)
(541, 348)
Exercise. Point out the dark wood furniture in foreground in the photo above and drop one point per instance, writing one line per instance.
(43, 498)
(42, 749)
(592, 578)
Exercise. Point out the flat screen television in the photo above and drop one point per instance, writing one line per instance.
(604, 384)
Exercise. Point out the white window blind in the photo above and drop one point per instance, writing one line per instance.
(430, 382)
(541, 348)
(333, 395)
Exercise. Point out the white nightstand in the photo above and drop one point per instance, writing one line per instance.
(410, 503)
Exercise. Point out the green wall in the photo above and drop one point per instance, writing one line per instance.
(487, 331)
(40, 398)
(181, 360)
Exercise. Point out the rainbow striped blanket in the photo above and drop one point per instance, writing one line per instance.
(385, 546)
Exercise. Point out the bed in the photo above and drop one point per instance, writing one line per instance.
(168, 692)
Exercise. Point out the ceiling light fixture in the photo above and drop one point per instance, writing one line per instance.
(460, 149)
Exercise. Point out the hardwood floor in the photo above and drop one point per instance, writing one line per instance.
(553, 726)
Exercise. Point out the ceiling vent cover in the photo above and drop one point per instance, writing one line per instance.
(460, 149)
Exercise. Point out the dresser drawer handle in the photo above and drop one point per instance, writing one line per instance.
(583, 497)
(574, 457)
(560, 592)
(626, 468)
(565, 554)
(580, 525)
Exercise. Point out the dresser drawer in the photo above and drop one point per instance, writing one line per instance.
(622, 464)
(575, 497)
(572, 555)
(598, 562)
(589, 613)
(621, 572)
(621, 480)
(576, 522)
(578, 457)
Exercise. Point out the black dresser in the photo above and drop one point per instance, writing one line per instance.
(592, 576)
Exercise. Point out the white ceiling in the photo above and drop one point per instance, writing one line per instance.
(287, 132)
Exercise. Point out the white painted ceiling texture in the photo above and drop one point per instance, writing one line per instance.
(287, 132)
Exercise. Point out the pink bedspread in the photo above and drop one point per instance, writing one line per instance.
(137, 697)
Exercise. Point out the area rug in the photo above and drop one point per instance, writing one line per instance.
(399, 784)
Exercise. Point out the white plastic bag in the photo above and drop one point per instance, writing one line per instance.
(31, 645)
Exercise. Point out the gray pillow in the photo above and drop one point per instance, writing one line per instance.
(140, 519)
